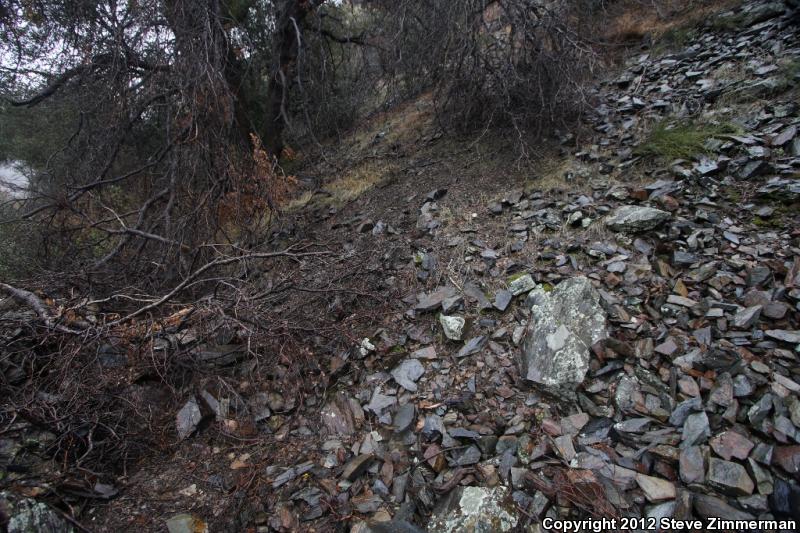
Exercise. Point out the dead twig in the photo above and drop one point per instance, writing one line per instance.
(208, 266)
(43, 312)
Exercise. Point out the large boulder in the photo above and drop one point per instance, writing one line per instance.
(564, 324)
(474, 510)
(633, 218)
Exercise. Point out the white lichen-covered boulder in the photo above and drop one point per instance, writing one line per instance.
(26, 515)
(474, 510)
(564, 324)
(633, 218)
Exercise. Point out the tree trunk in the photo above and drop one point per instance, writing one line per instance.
(288, 39)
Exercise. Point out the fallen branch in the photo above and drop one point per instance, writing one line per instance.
(587, 495)
(216, 263)
(34, 302)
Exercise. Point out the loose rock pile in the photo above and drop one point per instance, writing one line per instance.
(653, 366)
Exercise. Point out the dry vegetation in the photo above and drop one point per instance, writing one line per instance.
(668, 22)
(351, 184)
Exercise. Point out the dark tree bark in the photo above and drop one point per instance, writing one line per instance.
(190, 21)
(288, 42)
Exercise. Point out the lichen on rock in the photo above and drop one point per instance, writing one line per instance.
(564, 324)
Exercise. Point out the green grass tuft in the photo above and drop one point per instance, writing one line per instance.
(789, 71)
(682, 140)
(728, 23)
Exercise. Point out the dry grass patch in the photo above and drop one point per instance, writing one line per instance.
(354, 183)
(564, 174)
(596, 231)
(347, 187)
(670, 21)
(401, 125)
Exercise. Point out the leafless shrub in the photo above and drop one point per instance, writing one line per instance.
(519, 64)
(155, 147)
(490, 63)
(338, 75)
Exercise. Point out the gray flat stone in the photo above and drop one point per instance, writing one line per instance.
(710, 506)
(380, 401)
(747, 318)
(433, 300)
(521, 285)
(407, 374)
(404, 417)
(188, 418)
(501, 299)
(692, 465)
(357, 466)
(731, 444)
(472, 346)
(784, 335)
(695, 430)
(564, 448)
(655, 489)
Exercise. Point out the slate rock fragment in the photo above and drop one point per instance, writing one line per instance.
(188, 418)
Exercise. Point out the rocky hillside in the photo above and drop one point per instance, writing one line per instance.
(622, 345)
